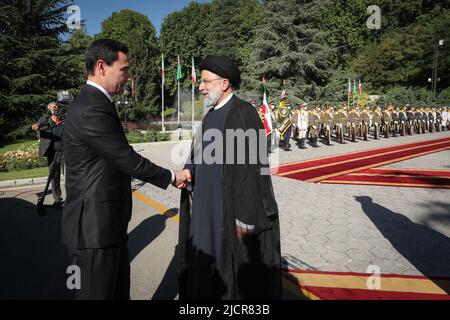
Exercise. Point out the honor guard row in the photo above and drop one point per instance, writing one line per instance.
(312, 123)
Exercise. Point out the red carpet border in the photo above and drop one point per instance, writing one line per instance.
(359, 167)
(320, 285)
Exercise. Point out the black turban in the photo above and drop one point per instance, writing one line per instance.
(223, 67)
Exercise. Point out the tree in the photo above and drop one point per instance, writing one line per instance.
(289, 47)
(184, 33)
(32, 65)
(346, 29)
(138, 33)
(145, 75)
(404, 56)
(240, 18)
(73, 60)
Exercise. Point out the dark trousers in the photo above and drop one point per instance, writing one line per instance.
(105, 273)
(56, 188)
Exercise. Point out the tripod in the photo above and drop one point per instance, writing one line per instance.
(40, 206)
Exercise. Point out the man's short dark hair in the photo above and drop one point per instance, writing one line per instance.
(103, 49)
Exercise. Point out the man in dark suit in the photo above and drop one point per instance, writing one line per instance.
(50, 127)
(99, 164)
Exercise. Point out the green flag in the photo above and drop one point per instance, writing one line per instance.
(179, 75)
(355, 92)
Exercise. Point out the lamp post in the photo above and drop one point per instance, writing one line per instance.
(434, 78)
(123, 103)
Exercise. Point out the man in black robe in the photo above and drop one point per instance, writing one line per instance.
(229, 238)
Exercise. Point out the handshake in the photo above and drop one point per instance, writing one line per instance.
(182, 178)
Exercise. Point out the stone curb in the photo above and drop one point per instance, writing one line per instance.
(22, 182)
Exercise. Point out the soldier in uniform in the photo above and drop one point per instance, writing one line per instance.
(410, 120)
(284, 124)
(448, 118)
(419, 120)
(438, 120)
(431, 118)
(354, 119)
(327, 119)
(340, 120)
(402, 121)
(425, 120)
(314, 126)
(387, 119)
(377, 121)
(366, 118)
(301, 125)
(445, 119)
(275, 137)
(395, 115)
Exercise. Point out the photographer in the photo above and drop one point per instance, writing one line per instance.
(50, 128)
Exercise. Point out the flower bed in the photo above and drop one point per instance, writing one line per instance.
(22, 159)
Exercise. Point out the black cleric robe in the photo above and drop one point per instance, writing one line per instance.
(212, 262)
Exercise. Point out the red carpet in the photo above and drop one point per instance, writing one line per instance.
(320, 285)
(341, 166)
(396, 177)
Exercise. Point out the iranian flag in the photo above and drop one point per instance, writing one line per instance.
(349, 93)
(162, 69)
(265, 114)
(359, 87)
(193, 75)
(179, 74)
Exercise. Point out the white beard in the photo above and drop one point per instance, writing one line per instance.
(212, 99)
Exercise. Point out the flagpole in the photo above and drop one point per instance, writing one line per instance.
(359, 91)
(193, 80)
(178, 121)
(348, 94)
(162, 92)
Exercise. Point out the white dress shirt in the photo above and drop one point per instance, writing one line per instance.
(220, 105)
(99, 87)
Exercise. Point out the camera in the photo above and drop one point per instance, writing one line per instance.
(64, 98)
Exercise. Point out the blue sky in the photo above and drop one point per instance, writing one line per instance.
(95, 11)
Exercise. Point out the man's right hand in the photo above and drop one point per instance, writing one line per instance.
(35, 126)
(182, 178)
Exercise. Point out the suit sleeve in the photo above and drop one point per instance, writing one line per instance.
(104, 134)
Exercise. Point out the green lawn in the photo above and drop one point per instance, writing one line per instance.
(24, 174)
(16, 145)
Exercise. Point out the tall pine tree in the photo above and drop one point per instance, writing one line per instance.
(288, 47)
(138, 33)
(33, 66)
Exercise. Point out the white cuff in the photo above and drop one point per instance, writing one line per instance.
(244, 226)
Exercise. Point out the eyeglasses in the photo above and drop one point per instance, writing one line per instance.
(208, 81)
